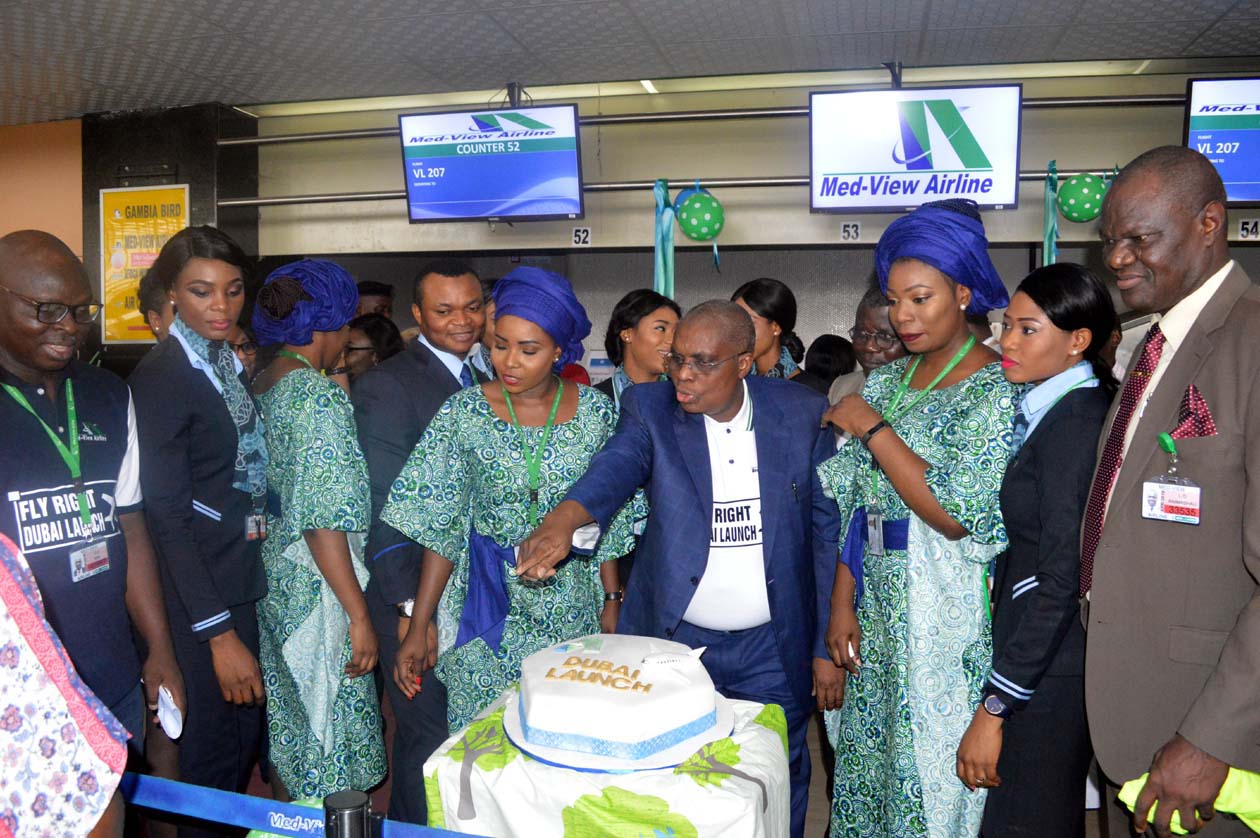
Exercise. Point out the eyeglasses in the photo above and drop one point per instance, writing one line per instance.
(675, 362)
(50, 313)
(350, 347)
(247, 347)
(884, 340)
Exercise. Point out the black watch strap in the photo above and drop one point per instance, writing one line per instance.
(865, 439)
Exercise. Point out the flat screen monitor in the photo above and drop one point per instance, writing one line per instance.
(1223, 124)
(892, 150)
(514, 164)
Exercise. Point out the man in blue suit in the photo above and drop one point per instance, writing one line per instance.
(739, 550)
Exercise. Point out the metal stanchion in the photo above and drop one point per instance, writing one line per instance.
(347, 814)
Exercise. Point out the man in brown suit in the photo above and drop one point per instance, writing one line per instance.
(1173, 657)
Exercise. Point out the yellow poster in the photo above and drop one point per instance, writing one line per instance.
(135, 223)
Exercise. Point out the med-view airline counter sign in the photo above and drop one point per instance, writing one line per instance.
(517, 163)
(892, 150)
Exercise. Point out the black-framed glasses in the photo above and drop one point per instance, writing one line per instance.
(882, 339)
(50, 313)
(247, 347)
(350, 347)
(675, 362)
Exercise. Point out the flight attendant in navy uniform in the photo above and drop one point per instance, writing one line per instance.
(1028, 742)
(203, 470)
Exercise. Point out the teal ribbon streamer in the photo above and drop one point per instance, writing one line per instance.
(663, 274)
(1050, 220)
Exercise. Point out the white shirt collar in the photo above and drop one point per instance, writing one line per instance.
(741, 421)
(1177, 322)
(1038, 401)
(450, 360)
(206, 368)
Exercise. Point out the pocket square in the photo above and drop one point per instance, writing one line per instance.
(1194, 418)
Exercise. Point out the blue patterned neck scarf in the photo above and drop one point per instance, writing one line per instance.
(621, 381)
(251, 447)
(786, 368)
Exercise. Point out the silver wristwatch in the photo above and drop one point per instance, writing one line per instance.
(405, 607)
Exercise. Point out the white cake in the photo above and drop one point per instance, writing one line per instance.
(616, 696)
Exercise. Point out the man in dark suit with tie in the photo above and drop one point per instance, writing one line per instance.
(1172, 662)
(739, 549)
(393, 403)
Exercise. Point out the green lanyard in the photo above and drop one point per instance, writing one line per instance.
(286, 353)
(69, 455)
(893, 414)
(533, 456)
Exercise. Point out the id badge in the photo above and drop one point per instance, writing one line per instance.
(874, 531)
(255, 527)
(1171, 498)
(91, 559)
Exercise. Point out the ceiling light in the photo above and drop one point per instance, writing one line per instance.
(648, 86)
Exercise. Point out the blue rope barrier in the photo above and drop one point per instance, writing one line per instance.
(244, 810)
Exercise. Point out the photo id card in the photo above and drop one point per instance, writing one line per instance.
(874, 531)
(89, 560)
(1179, 502)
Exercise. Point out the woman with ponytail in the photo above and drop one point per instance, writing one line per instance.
(778, 352)
(1028, 742)
(318, 645)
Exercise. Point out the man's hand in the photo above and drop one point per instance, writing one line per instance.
(551, 543)
(979, 750)
(161, 670)
(828, 684)
(236, 668)
(844, 638)
(1183, 779)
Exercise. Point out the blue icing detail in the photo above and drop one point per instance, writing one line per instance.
(617, 750)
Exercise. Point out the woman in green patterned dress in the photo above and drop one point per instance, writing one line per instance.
(317, 644)
(493, 461)
(932, 434)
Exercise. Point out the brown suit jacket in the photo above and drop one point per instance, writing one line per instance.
(1173, 641)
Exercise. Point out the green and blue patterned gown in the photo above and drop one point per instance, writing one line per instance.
(323, 726)
(926, 642)
(469, 469)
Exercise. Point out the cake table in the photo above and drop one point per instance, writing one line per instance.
(479, 782)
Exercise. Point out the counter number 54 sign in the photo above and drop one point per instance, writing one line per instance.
(1249, 229)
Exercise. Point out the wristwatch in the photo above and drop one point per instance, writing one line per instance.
(995, 706)
(405, 607)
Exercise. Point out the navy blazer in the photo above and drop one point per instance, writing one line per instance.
(1037, 629)
(393, 404)
(196, 517)
(659, 446)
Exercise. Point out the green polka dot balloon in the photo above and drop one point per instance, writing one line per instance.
(1081, 196)
(701, 217)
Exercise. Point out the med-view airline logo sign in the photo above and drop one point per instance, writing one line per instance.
(895, 149)
(1224, 126)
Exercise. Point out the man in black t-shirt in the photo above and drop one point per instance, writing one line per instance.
(69, 482)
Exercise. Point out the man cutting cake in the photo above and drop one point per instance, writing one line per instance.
(739, 550)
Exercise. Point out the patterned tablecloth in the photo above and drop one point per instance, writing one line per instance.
(480, 783)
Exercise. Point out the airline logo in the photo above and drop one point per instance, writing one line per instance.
(916, 142)
(498, 126)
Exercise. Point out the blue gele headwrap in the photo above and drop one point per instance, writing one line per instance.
(334, 299)
(547, 300)
(949, 236)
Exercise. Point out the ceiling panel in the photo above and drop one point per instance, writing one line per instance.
(834, 17)
(671, 22)
(970, 14)
(995, 44)
(1229, 37)
(62, 58)
(556, 29)
(1125, 39)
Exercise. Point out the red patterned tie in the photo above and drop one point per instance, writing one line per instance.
(1109, 465)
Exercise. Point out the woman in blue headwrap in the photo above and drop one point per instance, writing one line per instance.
(909, 610)
(318, 647)
(492, 462)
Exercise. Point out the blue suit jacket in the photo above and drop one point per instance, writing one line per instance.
(661, 447)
